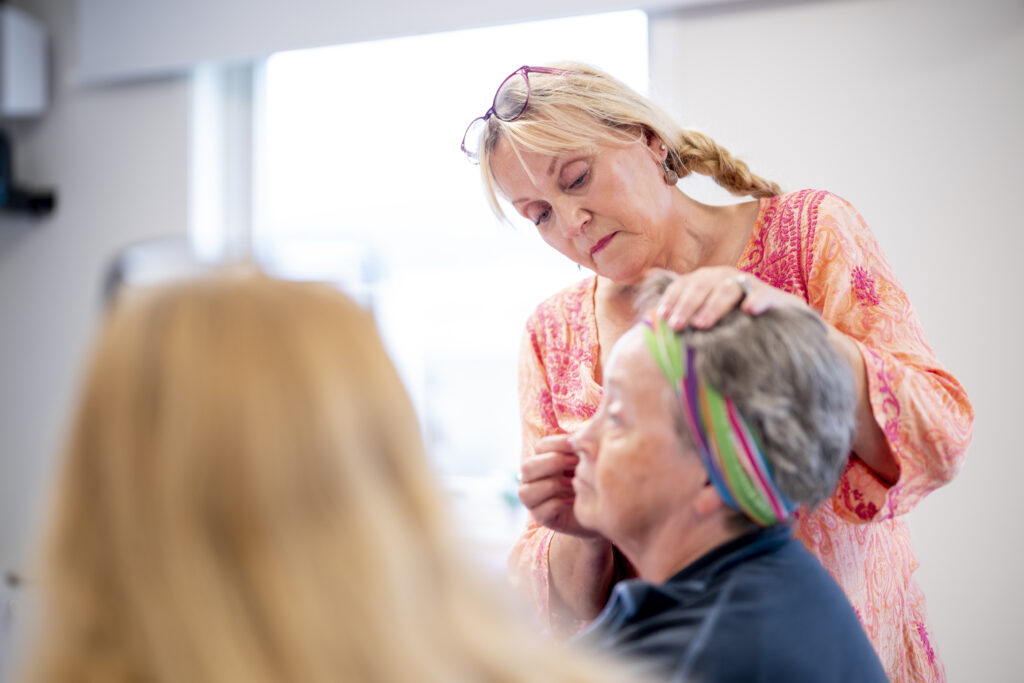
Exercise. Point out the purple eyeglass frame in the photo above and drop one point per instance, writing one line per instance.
(525, 71)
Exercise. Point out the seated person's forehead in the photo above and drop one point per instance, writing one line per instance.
(630, 351)
(630, 363)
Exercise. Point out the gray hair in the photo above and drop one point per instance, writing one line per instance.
(795, 390)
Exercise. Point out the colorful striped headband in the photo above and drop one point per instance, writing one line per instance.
(728, 447)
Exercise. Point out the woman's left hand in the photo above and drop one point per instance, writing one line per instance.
(702, 297)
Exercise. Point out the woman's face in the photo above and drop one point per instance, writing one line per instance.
(608, 209)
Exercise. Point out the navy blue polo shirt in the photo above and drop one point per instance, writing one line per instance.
(759, 608)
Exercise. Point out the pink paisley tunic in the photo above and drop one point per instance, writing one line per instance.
(813, 244)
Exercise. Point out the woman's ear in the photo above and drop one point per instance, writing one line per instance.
(654, 143)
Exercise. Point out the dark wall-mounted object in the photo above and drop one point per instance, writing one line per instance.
(23, 96)
(32, 201)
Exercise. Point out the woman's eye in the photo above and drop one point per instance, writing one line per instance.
(541, 217)
(579, 181)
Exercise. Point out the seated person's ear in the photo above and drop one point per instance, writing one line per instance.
(707, 501)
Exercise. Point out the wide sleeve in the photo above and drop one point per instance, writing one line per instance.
(528, 560)
(922, 409)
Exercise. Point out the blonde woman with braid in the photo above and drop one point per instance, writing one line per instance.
(245, 497)
(594, 166)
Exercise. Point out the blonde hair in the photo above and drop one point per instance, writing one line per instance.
(244, 497)
(587, 108)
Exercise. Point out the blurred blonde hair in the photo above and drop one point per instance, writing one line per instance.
(588, 108)
(244, 497)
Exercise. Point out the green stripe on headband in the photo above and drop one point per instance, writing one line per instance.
(715, 416)
(667, 349)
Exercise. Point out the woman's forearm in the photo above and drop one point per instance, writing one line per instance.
(869, 443)
(582, 570)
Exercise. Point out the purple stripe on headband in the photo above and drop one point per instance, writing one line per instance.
(690, 384)
(691, 407)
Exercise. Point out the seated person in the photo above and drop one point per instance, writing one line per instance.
(705, 444)
(244, 497)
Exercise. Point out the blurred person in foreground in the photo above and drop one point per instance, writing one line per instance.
(705, 445)
(244, 497)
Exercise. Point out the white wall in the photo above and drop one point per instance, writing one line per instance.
(913, 110)
(121, 39)
(117, 157)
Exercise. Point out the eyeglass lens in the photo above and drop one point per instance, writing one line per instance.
(509, 104)
(512, 96)
(473, 138)
(510, 101)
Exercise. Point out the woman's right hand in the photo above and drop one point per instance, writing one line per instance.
(545, 486)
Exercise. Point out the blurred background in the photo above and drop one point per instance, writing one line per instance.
(322, 140)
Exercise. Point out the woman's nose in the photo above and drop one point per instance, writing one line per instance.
(574, 220)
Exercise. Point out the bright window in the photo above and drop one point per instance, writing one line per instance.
(360, 181)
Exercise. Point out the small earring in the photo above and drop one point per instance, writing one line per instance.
(662, 147)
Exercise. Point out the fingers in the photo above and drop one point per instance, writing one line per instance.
(549, 496)
(547, 465)
(546, 475)
(553, 442)
(534, 494)
(702, 297)
(679, 302)
(721, 298)
(545, 484)
(762, 298)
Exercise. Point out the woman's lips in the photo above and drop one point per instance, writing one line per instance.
(602, 243)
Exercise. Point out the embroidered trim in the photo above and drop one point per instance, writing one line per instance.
(791, 255)
(923, 632)
(863, 285)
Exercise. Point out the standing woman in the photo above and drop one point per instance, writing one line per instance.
(594, 165)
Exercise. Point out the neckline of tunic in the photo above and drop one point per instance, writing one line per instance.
(589, 303)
